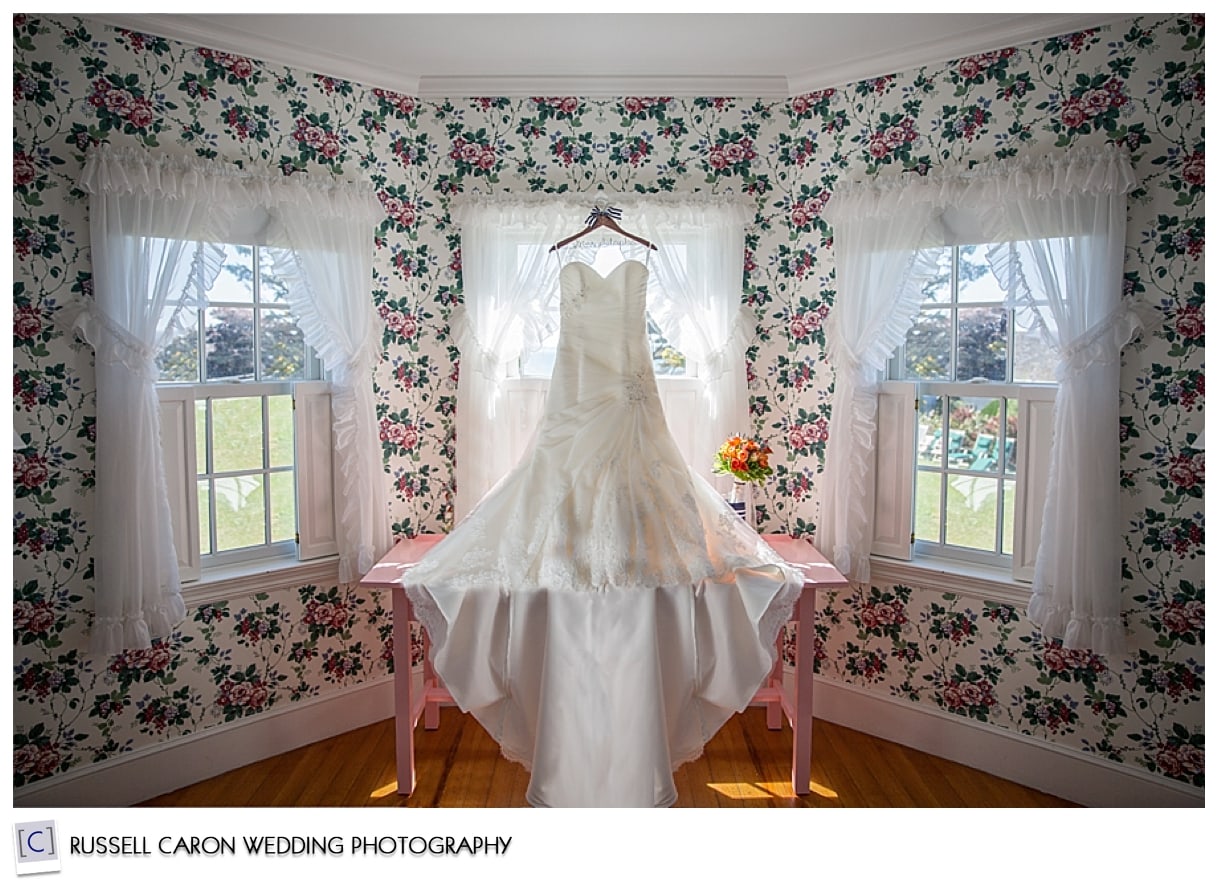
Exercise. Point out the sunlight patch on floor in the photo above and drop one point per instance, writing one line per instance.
(388, 790)
(766, 790)
(740, 791)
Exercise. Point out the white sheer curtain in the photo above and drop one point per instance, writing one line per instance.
(510, 286)
(1063, 218)
(700, 311)
(881, 267)
(509, 280)
(328, 272)
(1067, 223)
(144, 226)
(147, 214)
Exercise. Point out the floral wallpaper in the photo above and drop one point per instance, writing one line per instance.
(1139, 83)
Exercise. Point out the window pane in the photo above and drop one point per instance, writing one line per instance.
(283, 346)
(271, 288)
(236, 434)
(938, 289)
(204, 517)
(240, 512)
(1008, 517)
(928, 346)
(927, 505)
(986, 433)
(963, 420)
(235, 281)
(201, 437)
(1035, 358)
(179, 361)
(981, 344)
(971, 518)
(665, 358)
(541, 362)
(930, 430)
(279, 426)
(230, 343)
(283, 507)
(977, 283)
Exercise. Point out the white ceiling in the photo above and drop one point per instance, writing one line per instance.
(468, 54)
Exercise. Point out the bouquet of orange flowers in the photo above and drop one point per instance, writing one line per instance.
(744, 459)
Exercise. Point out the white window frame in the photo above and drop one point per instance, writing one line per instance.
(897, 468)
(229, 573)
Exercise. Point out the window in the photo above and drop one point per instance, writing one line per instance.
(977, 378)
(246, 426)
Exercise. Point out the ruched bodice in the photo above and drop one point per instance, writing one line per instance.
(602, 345)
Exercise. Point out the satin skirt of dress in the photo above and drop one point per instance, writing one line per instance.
(601, 694)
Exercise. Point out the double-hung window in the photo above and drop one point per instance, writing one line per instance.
(964, 425)
(245, 427)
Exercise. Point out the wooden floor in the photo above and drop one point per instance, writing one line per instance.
(744, 766)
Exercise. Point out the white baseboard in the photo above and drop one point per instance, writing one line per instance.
(1069, 774)
(142, 774)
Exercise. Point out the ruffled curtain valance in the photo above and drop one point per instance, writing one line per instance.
(529, 208)
(1056, 225)
(155, 224)
(987, 187)
(226, 188)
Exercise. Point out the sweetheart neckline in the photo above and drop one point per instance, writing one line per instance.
(611, 272)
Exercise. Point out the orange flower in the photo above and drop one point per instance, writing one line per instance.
(744, 459)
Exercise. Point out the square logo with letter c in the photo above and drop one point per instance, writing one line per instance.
(36, 847)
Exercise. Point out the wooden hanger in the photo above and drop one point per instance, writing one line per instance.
(604, 217)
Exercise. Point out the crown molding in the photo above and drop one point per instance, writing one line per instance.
(1003, 31)
(236, 41)
(599, 87)
(996, 35)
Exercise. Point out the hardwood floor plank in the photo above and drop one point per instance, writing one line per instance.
(744, 765)
(374, 743)
(871, 791)
(770, 752)
(470, 782)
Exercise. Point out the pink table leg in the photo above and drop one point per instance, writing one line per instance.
(801, 725)
(403, 724)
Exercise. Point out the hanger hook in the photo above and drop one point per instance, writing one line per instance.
(614, 214)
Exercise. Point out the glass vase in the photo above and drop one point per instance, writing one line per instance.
(742, 500)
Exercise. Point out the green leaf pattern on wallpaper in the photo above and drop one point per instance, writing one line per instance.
(1138, 83)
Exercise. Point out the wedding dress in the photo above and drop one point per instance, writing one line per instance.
(602, 611)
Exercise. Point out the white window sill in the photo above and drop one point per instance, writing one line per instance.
(256, 577)
(953, 577)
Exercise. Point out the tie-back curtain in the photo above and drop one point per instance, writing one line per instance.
(509, 280)
(1063, 221)
(881, 268)
(328, 274)
(1065, 262)
(146, 215)
(510, 288)
(701, 313)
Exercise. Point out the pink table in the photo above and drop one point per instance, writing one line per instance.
(796, 705)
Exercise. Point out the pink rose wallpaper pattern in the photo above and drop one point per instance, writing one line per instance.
(1138, 83)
